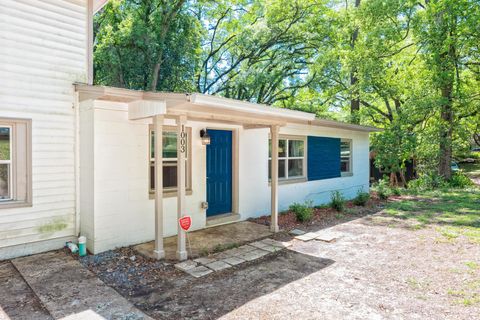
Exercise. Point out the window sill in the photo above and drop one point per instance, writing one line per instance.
(347, 174)
(14, 204)
(169, 194)
(289, 181)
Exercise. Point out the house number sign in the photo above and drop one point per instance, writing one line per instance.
(183, 140)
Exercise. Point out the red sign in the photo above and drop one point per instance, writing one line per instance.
(185, 222)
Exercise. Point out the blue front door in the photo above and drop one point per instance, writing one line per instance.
(219, 172)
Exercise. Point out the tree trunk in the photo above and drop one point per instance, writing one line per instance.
(355, 94)
(446, 133)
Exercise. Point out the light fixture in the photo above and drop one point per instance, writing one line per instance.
(205, 137)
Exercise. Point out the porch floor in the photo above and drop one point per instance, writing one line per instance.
(206, 240)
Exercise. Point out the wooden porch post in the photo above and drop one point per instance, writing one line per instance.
(158, 252)
(181, 152)
(274, 180)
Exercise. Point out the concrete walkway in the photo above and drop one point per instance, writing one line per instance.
(56, 286)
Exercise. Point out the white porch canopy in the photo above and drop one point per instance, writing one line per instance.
(200, 107)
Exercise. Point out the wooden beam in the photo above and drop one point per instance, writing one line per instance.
(181, 192)
(274, 179)
(158, 252)
(224, 118)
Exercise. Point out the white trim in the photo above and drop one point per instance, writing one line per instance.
(243, 106)
(98, 5)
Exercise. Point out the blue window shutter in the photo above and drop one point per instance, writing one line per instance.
(323, 158)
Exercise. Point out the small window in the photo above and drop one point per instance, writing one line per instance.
(291, 158)
(5, 163)
(169, 160)
(346, 157)
(15, 165)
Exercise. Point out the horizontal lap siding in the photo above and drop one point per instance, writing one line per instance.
(42, 52)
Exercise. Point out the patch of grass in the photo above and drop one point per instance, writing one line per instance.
(457, 212)
(472, 265)
(222, 247)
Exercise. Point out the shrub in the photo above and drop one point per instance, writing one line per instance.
(337, 201)
(303, 212)
(429, 181)
(362, 198)
(460, 180)
(396, 191)
(382, 188)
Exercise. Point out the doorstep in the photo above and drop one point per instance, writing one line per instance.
(222, 219)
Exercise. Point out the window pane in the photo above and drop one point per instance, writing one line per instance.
(295, 148)
(4, 181)
(345, 166)
(345, 148)
(169, 144)
(281, 169)
(4, 143)
(170, 175)
(282, 148)
(295, 168)
(282, 152)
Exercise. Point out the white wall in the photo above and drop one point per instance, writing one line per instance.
(254, 187)
(123, 211)
(42, 52)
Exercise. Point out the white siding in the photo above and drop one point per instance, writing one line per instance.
(42, 52)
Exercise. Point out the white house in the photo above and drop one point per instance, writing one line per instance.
(105, 163)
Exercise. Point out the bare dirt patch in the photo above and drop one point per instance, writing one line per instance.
(389, 261)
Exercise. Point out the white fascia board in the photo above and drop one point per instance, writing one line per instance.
(98, 5)
(242, 106)
(142, 109)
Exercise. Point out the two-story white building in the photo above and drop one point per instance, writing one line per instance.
(121, 166)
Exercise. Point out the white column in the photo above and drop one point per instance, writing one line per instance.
(274, 181)
(158, 252)
(181, 152)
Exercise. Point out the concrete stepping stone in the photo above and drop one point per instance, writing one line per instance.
(233, 260)
(205, 260)
(327, 236)
(199, 271)
(253, 255)
(275, 243)
(307, 236)
(297, 232)
(259, 244)
(186, 265)
(218, 265)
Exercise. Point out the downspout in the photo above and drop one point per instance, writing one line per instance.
(76, 106)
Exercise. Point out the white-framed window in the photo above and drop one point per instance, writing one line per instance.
(15, 162)
(291, 158)
(346, 157)
(169, 160)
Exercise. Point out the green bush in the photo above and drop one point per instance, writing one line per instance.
(337, 201)
(427, 182)
(303, 212)
(382, 188)
(396, 191)
(460, 180)
(362, 198)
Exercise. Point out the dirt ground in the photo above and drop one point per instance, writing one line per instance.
(379, 267)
